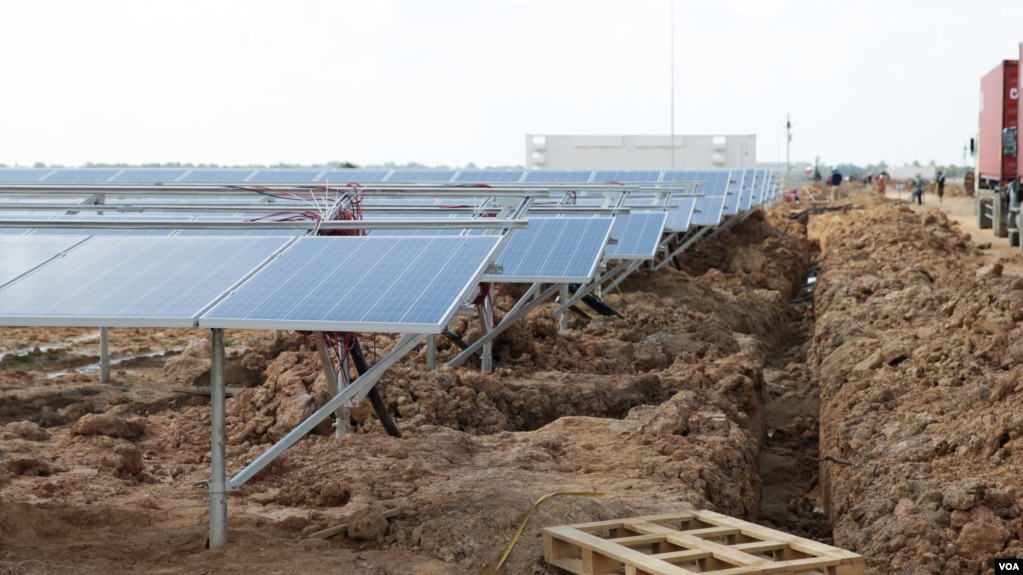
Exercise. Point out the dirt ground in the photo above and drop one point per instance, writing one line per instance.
(721, 388)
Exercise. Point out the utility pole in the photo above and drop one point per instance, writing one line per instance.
(788, 144)
(671, 145)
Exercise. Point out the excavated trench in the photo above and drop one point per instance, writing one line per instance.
(789, 458)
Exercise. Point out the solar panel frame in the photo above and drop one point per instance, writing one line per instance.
(359, 283)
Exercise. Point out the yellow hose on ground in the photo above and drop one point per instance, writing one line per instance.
(522, 526)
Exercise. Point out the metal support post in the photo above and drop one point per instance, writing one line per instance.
(342, 414)
(486, 314)
(104, 355)
(563, 316)
(218, 456)
(431, 351)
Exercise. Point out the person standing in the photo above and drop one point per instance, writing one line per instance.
(836, 180)
(881, 184)
(940, 186)
(918, 190)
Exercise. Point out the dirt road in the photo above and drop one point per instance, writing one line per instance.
(960, 209)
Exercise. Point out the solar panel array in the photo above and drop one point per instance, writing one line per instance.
(89, 271)
(360, 175)
(344, 283)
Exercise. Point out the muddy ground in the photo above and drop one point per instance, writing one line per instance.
(711, 393)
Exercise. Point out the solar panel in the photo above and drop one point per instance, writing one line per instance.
(206, 176)
(681, 216)
(716, 181)
(638, 235)
(490, 176)
(282, 176)
(352, 283)
(627, 176)
(23, 253)
(26, 175)
(416, 176)
(148, 176)
(709, 211)
(138, 282)
(353, 175)
(558, 176)
(80, 176)
(558, 250)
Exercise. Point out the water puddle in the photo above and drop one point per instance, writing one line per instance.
(113, 361)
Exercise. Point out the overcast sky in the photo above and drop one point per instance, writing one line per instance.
(453, 82)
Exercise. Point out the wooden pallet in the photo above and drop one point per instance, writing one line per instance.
(687, 543)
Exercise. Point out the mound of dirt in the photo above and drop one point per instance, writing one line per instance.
(918, 363)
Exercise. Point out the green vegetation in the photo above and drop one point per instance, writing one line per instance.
(35, 359)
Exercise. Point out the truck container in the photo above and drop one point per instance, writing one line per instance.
(999, 116)
(996, 150)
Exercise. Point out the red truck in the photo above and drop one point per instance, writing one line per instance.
(997, 168)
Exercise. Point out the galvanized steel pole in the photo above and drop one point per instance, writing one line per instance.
(218, 460)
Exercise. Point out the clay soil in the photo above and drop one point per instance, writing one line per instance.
(877, 412)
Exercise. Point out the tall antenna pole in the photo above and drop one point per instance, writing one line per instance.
(672, 136)
(788, 144)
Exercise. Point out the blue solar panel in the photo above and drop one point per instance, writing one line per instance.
(681, 216)
(351, 176)
(80, 176)
(716, 181)
(554, 250)
(709, 210)
(285, 176)
(558, 176)
(627, 176)
(417, 176)
(23, 253)
(149, 176)
(23, 175)
(409, 285)
(638, 235)
(761, 186)
(208, 176)
(490, 176)
(136, 282)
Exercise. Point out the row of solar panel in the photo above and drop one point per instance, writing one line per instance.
(409, 285)
(404, 283)
(344, 176)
